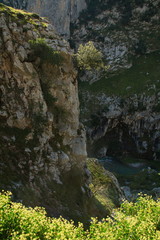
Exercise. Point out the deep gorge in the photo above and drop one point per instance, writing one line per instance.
(43, 144)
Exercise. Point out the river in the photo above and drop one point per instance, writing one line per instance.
(118, 167)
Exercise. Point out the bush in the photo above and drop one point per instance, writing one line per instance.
(89, 58)
(133, 221)
(18, 222)
(45, 52)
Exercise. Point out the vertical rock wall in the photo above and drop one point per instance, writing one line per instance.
(42, 144)
(60, 12)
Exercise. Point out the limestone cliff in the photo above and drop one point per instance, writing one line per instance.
(122, 113)
(125, 127)
(120, 29)
(61, 13)
(121, 110)
(42, 144)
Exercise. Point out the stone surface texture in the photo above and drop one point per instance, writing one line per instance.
(120, 29)
(61, 13)
(42, 143)
(123, 126)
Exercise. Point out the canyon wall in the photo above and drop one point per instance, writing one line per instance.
(61, 13)
(124, 128)
(120, 29)
(120, 108)
(121, 114)
(42, 143)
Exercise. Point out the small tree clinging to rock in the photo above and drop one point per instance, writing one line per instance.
(89, 58)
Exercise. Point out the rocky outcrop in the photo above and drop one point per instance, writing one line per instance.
(105, 186)
(146, 182)
(42, 143)
(121, 117)
(121, 127)
(60, 13)
(120, 29)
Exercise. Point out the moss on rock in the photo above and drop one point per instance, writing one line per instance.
(104, 186)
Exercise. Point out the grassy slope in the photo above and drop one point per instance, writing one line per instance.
(103, 186)
(139, 78)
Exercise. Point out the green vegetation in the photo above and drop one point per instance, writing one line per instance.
(145, 180)
(89, 58)
(45, 52)
(144, 76)
(18, 222)
(102, 186)
(22, 17)
(133, 221)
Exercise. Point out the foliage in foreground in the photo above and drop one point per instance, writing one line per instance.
(89, 58)
(140, 220)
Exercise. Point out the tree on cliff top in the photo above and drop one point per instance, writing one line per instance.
(89, 58)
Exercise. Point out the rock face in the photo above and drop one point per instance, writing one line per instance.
(125, 127)
(120, 29)
(42, 143)
(61, 13)
(123, 31)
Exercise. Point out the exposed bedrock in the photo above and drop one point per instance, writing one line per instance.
(121, 128)
(61, 13)
(42, 143)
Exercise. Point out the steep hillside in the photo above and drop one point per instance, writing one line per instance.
(128, 34)
(121, 29)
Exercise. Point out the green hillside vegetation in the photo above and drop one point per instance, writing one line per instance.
(42, 50)
(102, 186)
(140, 220)
(144, 76)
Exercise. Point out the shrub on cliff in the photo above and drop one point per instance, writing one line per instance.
(133, 221)
(89, 58)
(45, 52)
